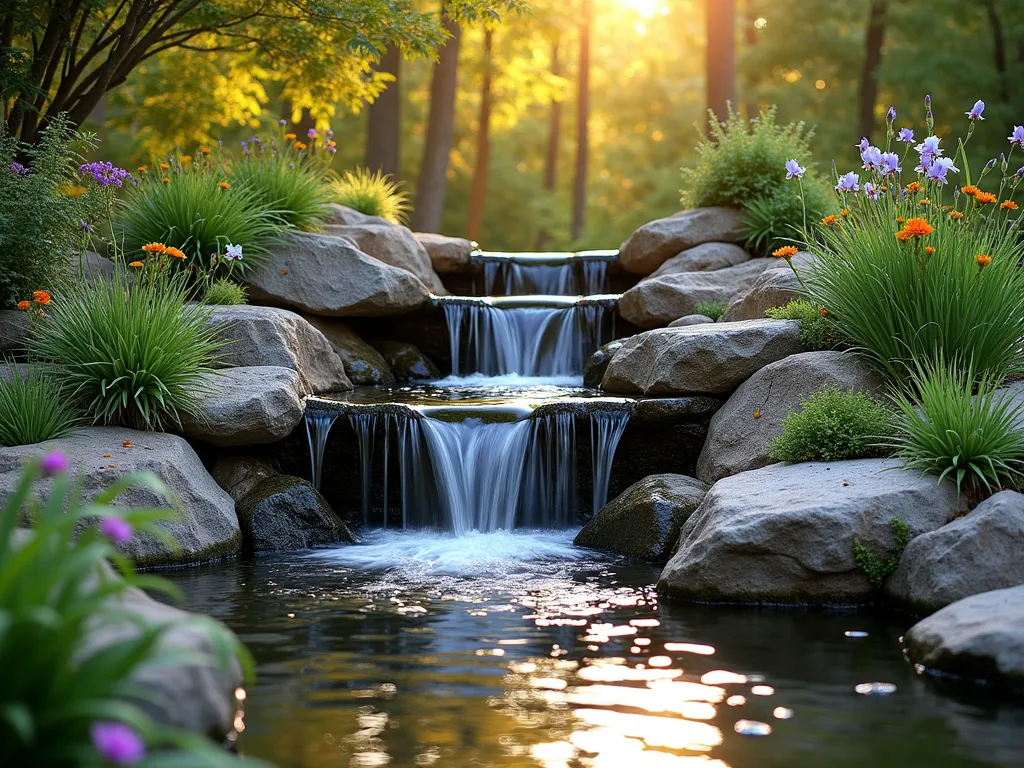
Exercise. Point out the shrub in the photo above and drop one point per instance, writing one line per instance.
(54, 585)
(833, 425)
(373, 194)
(224, 292)
(42, 209)
(817, 331)
(34, 408)
(282, 183)
(777, 218)
(960, 425)
(128, 350)
(712, 309)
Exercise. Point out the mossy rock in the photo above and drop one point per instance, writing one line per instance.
(284, 513)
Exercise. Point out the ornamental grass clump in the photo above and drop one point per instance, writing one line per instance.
(372, 194)
(34, 408)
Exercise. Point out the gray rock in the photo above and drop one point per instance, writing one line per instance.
(283, 513)
(645, 520)
(979, 638)
(785, 533)
(598, 363)
(703, 258)
(772, 288)
(267, 336)
(657, 301)
(682, 322)
(238, 475)
(447, 254)
(699, 359)
(656, 242)
(674, 410)
(93, 266)
(328, 276)
(977, 553)
(14, 327)
(406, 361)
(204, 525)
(253, 405)
(738, 441)
(342, 215)
(9, 370)
(363, 363)
(392, 245)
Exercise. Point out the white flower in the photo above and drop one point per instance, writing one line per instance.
(233, 252)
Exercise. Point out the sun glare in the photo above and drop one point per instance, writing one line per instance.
(647, 9)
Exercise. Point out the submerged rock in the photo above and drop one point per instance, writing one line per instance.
(657, 241)
(598, 363)
(393, 245)
(447, 254)
(979, 552)
(283, 513)
(644, 521)
(785, 533)
(699, 359)
(363, 363)
(238, 475)
(978, 638)
(407, 361)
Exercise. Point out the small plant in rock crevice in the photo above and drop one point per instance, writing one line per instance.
(712, 309)
(372, 194)
(818, 331)
(876, 571)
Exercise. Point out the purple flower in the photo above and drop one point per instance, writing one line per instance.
(871, 191)
(872, 157)
(891, 114)
(794, 170)
(233, 252)
(1020, 173)
(282, 122)
(889, 163)
(330, 134)
(118, 743)
(54, 463)
(116, 529)
(906, 136)
(19, 169)
(311, 133)
(976, 110)
(929, 150)
(863, 144)
(849, 182)
(1018, 136)
(86, 226)
(332, 150)
(105, 174)
(937, 170)
(244, 144)
(928, 101)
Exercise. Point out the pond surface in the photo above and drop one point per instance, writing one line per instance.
(520, 650)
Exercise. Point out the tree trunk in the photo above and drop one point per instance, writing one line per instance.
(999, 49)
(433, 180)
(554, 131)
(869, 77)
(579, 203)
(749, 17)
(721, 56)
(383, 133)
(478, 195)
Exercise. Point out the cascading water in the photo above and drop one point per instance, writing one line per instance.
(606, 428)
(550, 274)
(318, 426)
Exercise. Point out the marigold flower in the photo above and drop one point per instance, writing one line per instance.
(174, 253)
(204, 151)
(983, 260)
(913, 188)
(929, 250)
(926, 201)
(141, 169)
(822, 311)
(786, 252)
(900, 220)
(970, 189)
(164, 166)
(845, 213)
(136, 265)
(918, 228)
(289, 137)
(903, 235)
(223, 185)
(41, 297)
(829, 220)
(1009, 205)
(154, 248)
(165, 180)
(985, 197)
(300, 146)
(284, 271)
(956, 215)
(24, 305)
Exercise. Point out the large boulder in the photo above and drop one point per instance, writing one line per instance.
(204, 526)
(786, 533)
(657, 301)
(699, 359)
(342, 215)
(283, 513)
(447, 254)
(392, 245)
(703, 258)
(239, 474)
(978, 638)
(14, 327)
(772, 288)
(644, 521)
(328, 276)
(268, 336)
(407, 362)
(976, 553)
(657, 241)
(363, 363)
(598, 363)
(247, 406)
(686, 320)
(94, 267)
(740, 433)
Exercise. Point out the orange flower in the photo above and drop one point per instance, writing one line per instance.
(903, 235)
(822, 311)
(223, 185)
(300, 146)
(829, 220)
(174, 253)
(757, 414)
(926, 201)
(141, 169)
(289, 137)
(154, 248)
(985, 197)
(204, 151)
(1009, 205)
(900, 220)
(786, 252)
(844, 213)
(164, 166)
(41, 297)
(136, 265)
(913, 188)
(332, 144)
(24, 305)
(165, 180)
(956, 215)
(929, 250)
(970, 189)
(983, 260)
(918, 228)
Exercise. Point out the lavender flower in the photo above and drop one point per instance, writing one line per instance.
(233, 252)
(55, 463)
(116, 529)
(937, 170)
(1018, 136)
(871, 191)
(19, 169)
(863, 144)
(1020, 173)
(928, 100)
(872, 157)
(906, 136)
(118, 743)
(988, 167)
(794, 170)
(849, 182)
(889, 163)
(282, 122)
(105, 174)
(929, 150)
(86, 226)
(245, 144)
(891, 114)
(976, 111)
(311, 133)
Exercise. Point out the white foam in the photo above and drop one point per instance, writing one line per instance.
(511, 380)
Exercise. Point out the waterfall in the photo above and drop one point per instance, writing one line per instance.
(550, 490)
(549, 274)
(318, 426)
(606, 428)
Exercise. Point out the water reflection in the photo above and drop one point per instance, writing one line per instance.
(540, 661)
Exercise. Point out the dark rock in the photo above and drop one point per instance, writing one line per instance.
(363, 363)
(406, 361)
(598, 363)
(284, 513)
(238, 475)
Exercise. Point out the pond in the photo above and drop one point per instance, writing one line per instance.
(501, 649)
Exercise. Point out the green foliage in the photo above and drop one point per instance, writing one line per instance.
(33, 409)
(833, 425)
(129, 350)
(285, 185)
(878, 572)
(192, 212)
(817, 331)
(777, 218)
(55, 584)
(712, 309)
(224, 292)
(41, 212)
(373, 194)
(960, 425)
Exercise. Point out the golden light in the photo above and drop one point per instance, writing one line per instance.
(647, 9)
(760, 23)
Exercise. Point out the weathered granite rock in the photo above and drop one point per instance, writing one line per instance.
(738, 441)
(238, 475)
(204, 527)
(699, 359)
(363, 363)
(447, 254)
(407, 361)
(328, 276)
(644, 522)
(657, 301)
(657, 241)
(9, 370)
(342, 215)
(703, 258)
(674, 410)
(392, 245)
(268, 336)
(977, 553)
(598, 363)
(283, 513)
(772, 288)
(247, 406)
(94, 266)
(682, 322)
(14, 326)
(979, 638)
(785, 533)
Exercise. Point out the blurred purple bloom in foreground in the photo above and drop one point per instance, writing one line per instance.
(54, 464)
(118, 743)
(117, 530)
